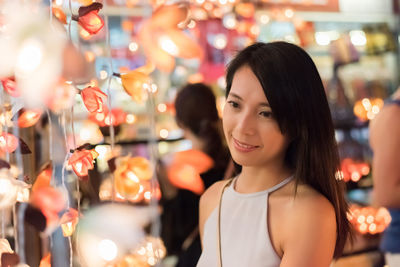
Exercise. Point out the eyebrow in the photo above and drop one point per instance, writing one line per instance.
(263, 104)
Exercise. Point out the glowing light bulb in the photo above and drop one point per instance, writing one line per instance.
(264, 19)
(164, 133)
(229, 21)
(289, 13)
(107, 249)
(30, 56)
(130, 118)
(322, 38)
(358, 38)
(103, 74)
(168, 45)
(133, 177)
(220, 41)
(133, 46)
(191, 24)
(162, 107)
(102, 150)
(78, 166)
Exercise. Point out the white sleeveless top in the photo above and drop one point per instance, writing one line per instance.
(245, 239)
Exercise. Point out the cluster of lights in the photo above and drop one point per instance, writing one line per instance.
(132, 178)
(352, 170)
(324, 38)
(369, 220)
(367, 108)
(151, 251)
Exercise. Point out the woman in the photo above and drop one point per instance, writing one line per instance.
(285, 208)
(197, 115)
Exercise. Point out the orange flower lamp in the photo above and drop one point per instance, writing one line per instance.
(185, 170)
(128, 176)
(94, 99)
(89, 18)
(82, 161)
(44, 177)
(45, 261)
(50, 201)
(69, 221)
(133, 82)
(162, 39)
(10, 86)
(29, 118)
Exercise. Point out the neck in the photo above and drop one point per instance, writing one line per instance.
(255, 179)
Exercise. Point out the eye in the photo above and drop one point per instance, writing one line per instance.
(266, 114)
(233, 104)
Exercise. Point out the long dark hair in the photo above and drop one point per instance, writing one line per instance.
(298, 101)
(196, 110)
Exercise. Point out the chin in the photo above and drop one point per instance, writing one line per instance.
(244, 161)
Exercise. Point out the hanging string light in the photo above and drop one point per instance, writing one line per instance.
(88, 17)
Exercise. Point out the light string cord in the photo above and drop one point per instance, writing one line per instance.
(67, 155)
(153, 149)
(3, 212)
(109, 102)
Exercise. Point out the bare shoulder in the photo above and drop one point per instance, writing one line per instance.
(388, 118)
(310, 201)
(310, 237)
(208, 202)
(211, 195)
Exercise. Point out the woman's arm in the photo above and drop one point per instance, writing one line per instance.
(310, 235)
(208, 202)
(385, 142)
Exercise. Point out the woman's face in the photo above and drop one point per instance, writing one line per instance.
(252, 133)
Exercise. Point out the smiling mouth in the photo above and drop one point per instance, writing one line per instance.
(243, 147)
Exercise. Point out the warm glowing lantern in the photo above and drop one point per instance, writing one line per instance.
(185, 177)
(162, 39)
(44, 177)
(68, 222)
(352, 170)
(128, 175)
(245, 10)
(46, 261)
(134, 82)
(89, 18)
(151, 251)
(105, 118)
(29, 118)
(94, 99)
(50, 202)
(196, 158)
(185, 170)
(10, 86)
(82, 161)
(367, 108)
(369, 220)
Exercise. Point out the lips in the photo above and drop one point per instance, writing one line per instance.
(243, 147)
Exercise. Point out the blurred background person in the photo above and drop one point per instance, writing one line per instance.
(197, 116)
(385, 143)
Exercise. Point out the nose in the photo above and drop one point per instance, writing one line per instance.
(246, 124)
